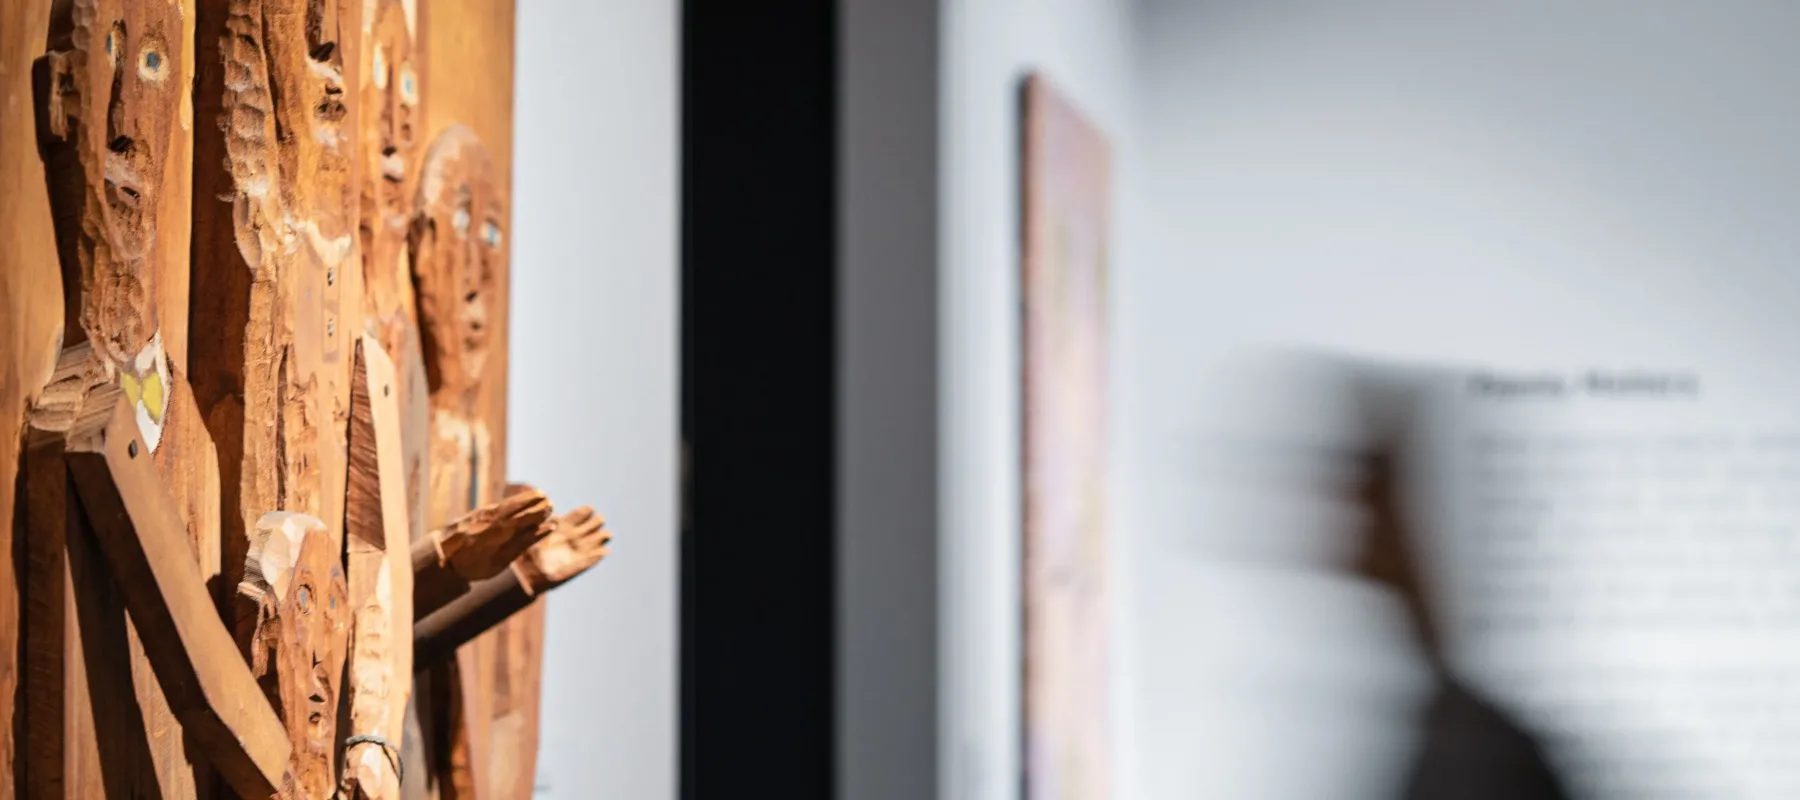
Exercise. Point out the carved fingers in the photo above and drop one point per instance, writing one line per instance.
(580, 540)
(481, 543)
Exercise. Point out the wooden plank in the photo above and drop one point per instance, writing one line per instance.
(139, 529)
(61, 757)
(31, 314)
(380, 577)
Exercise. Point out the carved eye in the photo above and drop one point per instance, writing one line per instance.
(490, 235)
(115, 41)
(152, 64)
(305, 599)
(409, 85)
(461, 222)
(379, 67)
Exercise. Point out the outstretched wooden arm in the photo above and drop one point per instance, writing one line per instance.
(578, 541)
(476, 546)
(196, 661)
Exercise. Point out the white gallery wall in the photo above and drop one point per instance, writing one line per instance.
(595, 276)
(1528, 184)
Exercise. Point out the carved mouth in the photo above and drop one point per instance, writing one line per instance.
(123, 179)
(393, 167)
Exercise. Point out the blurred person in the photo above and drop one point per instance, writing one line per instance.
(1470, 748)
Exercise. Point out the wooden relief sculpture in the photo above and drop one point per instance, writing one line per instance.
(114, 121)
(390, 100)
(456, 247)
(457, 253)
(295, 583)
(275, 257)
(113, 90)
(229, 475)
(136, 525)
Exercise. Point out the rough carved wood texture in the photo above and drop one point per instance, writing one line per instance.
(275, 218)
(390, 117)
(298, 610)
(138, 528)
(31, 314)
(380, 572)
(60, 757)
(113, 117)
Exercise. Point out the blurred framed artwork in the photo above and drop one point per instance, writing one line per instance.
(1065, 176)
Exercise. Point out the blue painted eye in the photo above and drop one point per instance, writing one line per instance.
(150, 63)
(409, 88)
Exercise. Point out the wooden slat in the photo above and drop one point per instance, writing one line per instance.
(31, 314)
(139, 529)
(380, 575)
(60, 757)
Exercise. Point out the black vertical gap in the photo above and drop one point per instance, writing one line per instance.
(758, 288)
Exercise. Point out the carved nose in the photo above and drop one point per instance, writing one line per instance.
(120, 144)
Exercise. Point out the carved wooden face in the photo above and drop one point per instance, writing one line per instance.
(459, 254)
(389, 103)
(119, 96)
(307, 60)
(111, 99)
(315, 618)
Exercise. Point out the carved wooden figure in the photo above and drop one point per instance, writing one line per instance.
(112, 90)
(275, 222)
(250, 494)
(390, 99)
(390, 115)
(457, 250)
(294, 586)
(458, 256)
(114, 129)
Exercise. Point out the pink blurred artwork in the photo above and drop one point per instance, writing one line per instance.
(1067, 609)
